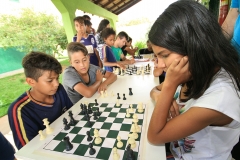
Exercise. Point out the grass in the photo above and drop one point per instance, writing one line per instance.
(14, 86)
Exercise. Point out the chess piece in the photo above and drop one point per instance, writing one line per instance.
(116, 156)
(72, 120)
(42, 137)
(127, 113)
(119, 143)
(130, 92)
(49, 130)
(98, 140)
(102, 96)
(132, 141)
(112, 94)
(121, 72)
(68, 145)
(92, 151)
(131, 108)
(140, 108)
(98, 113)
(135, 135)
(86, 117)
(118, 97)
(89, 138)
(89, 123)
(117, 103)
(130, 155)
(81, 106)
(95, 117)
(130, 73)
(96, 103)
(124, 98)
(137, 128)
(106, 94)
(66, 125)
(89, 109)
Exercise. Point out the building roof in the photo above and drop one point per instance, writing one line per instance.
(115, 6)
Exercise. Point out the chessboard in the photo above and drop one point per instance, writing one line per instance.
(133, 70)
(111, 124)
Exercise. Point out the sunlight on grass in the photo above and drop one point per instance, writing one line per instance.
(14, 86)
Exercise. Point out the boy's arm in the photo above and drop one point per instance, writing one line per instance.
(126, 61)
(110, 64)
(89, 91)
(98, 57)
(110, 78)
(131, 51)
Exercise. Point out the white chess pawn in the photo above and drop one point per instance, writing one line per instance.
(132, 141)
(140, 107)
(116, 156)
(121, 72)
(131, 108)
(135, 116)
(98, 139)
(112, 94)
(95, 132)
(117, 103)
(143, 72)
(127, 113)
(137, 128)
(135, 135)
(119, 143)
(49, 130)
(101, 92)
(42, 137)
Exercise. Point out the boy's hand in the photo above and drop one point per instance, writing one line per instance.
(99, 75)
(102, 87)
(132, 61)
(121, 65)
(178, 72)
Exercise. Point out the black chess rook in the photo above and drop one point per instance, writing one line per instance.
(68, 145)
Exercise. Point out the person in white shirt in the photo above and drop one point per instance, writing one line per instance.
(189, 42)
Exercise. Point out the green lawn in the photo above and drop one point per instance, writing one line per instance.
(12, 87)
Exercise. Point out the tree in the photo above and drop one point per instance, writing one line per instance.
(32, 31)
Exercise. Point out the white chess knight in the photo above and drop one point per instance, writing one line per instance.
(49, 130)
(140, 107)
(42, 137)
(119, 143)
(132, 141)
(127, 113)
(116, 156)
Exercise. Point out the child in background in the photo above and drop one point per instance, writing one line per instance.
(189, 41)
(108, 35)
(7, 150)
(88, 25)
(45, 99)
(128, 48)
(87, 39)
(120, 41)
(83, 79)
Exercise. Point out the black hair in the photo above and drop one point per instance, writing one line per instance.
(73, 47)
(129, 39)
(87, 23)
(79, 19)
(122, 35)
(86, 17)
(107, 32)
(103, 24)
(188, 28)
(35, 63)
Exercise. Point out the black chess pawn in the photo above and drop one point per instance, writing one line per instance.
(130, 92)
(66, 125)
(130, 155)
(89, 123)
(124, 98)
(89, 109)
(68, 145)
(130, 73)
(95, 115)
(86, 116)
(98, 113)
(96, 103)
(118, 97)
(89, 138)
(81, 106)
(92, 151)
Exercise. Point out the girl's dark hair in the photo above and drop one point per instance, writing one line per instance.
(87, 23)
(35, 63)
(103, 24)
(188, 28)
(107, 32)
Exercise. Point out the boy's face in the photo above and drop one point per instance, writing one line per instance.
(121, 42)
(110, 40)
(80, 62)
(47, 84)
(80, 27)
(89, 29)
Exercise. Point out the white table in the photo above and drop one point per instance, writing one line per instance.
(141, 86)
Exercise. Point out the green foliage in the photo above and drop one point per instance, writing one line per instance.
(32, 31)
(136, 22)
(140, 44)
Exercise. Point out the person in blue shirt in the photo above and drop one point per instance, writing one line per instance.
(88, 40)
(45, 99)
(7, 150)
(109, 60)
(231, 25)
